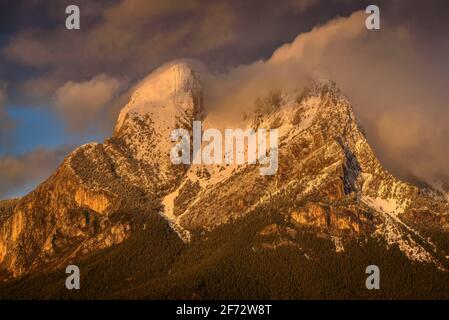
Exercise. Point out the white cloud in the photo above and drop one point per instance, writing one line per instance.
(395, 87)
(85, 103)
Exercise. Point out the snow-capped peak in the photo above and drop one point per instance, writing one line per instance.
(171, 90)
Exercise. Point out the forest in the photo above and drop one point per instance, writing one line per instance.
(232, 262)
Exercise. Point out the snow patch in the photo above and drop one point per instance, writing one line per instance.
(394, 231)
(173, 221)
(389, 206)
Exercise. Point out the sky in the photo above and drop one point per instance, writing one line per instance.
(61, 88)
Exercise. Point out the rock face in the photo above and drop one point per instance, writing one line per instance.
(72, 212)
(348, 220)
(60, 218)
(328, 179)
(168, 99)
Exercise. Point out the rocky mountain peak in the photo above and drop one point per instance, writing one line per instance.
(329, 178)
(171, 92)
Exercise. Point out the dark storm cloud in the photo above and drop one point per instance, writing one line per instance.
(131, 37)
(127, 39)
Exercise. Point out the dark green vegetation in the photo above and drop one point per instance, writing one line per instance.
(233, 263)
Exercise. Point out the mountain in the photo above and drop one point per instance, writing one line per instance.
(181, 228)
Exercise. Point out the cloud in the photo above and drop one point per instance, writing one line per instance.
(396, 77)
(129, 38)
(23, 172)
(84, 103)
(125, 39)
(398, 90)
(37, 90)
(290, 66)
(3, 96)
(137, 33)
(303, 5)
(6, 123)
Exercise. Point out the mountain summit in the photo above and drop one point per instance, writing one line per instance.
(329, 184)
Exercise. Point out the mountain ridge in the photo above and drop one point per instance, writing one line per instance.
(329, 179)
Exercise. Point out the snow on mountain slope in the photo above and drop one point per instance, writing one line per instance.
(320, 121)
(169, 98)
(168, 93)
(328, 179)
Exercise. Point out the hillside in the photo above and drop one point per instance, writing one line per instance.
(139, 226)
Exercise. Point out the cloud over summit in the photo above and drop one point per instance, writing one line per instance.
(397, 77)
